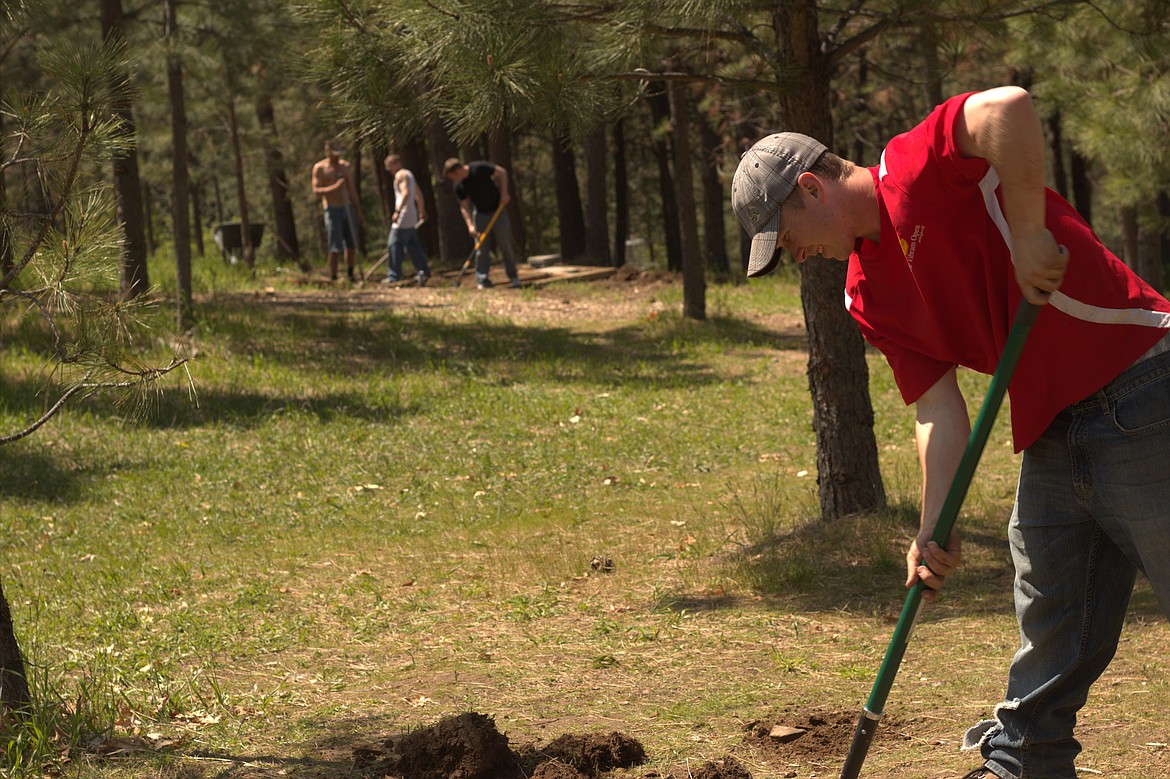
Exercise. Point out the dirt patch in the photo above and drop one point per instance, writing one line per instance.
(468, 746)
(818, 736)
(727, 768)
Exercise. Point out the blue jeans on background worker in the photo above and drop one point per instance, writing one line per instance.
(1092, 509)
(501, 238)
(401, 241)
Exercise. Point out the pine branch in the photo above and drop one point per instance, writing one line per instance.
(148, 376)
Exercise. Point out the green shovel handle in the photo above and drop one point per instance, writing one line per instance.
(874, 706)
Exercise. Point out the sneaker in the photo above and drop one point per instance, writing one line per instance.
(483, 284)
(422, 277)
(514, 283)
(349, 272)
(388, 280)
(982, 772)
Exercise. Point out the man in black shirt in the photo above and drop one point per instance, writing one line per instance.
(481, 187)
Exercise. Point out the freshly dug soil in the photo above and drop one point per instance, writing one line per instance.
(596, 753)
(468, 746)
(727, 768)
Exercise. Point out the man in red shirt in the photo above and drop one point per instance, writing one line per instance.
(943, 238)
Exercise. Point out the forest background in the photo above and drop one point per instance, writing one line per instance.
(132, 130)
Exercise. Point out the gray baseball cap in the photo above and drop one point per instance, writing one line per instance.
(765, 178)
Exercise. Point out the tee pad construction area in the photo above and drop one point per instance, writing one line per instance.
(548, 532)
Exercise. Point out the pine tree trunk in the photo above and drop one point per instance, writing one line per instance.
(197, 215)
(454, 241)
(132, 274)
(660, 112)
(5, 241)
(181, 231)
(1082, 186)
(1056, 144)
(694, 269)
(1129, 236)
(248, 250)
(14, 692)
(500, 152)
(597, 198)
(535, 227)
(385, 182)
(572, 222)
(849, 479)
(621, 194)
(148, 209)
(414, 157)
(283, 217)
(714, 229)
(1150, 266)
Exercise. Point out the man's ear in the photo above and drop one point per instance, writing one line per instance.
(811, 184)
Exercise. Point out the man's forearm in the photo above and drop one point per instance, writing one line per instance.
(942, 428)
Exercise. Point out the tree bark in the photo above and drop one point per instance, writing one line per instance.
(621, 194)
(597, 197)
(1056, 144)
(197, 215)
(148, 208)
(133, 278)
(1149, 265)
(414, 157)
(849, 479)
(1082, 186)
(248, 250)
(672, 233)
(572, 222)
(535, 227)
(1129, 236)
(14, 692)
(181, 230)
(694, 269)
(5, 238)
(454, 241)
(500, 152)
(714, 228)
(283, 217)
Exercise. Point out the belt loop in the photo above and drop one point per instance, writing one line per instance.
(1103, 399)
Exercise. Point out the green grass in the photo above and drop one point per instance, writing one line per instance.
(377, 513)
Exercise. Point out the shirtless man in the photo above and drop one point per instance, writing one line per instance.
(333, 181)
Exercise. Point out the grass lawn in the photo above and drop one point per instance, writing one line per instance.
(384, 507)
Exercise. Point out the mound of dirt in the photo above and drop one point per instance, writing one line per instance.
(597, 752)
(468, 746)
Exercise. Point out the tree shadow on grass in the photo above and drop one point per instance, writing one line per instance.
(336, 339)
(857, 564)
(365, 347)
(33, 474)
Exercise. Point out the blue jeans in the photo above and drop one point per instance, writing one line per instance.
(1092, 509)
(402, 240)
(501, 238)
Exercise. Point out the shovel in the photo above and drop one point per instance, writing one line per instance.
(482, 237)
(874, 707)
